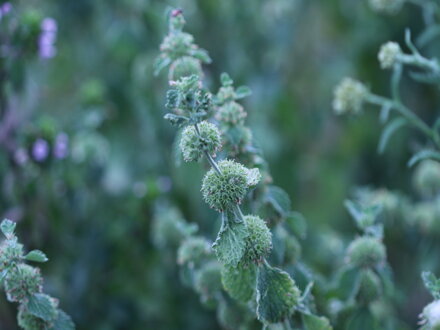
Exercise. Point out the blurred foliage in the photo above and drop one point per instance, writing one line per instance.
(92, 212)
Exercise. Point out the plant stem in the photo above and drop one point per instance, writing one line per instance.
(404, 111)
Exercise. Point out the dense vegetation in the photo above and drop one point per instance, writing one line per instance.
(322, 192)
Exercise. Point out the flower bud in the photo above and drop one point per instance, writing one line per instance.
(386, 6)
(389, 54)
(431, 316)
(231, 113)
(349, 96)
(258, 241)
(221, 191)
(177, 45)
(193, 250)
(21, 281)
(427, 177)
(366, 252)
(370, 287)
(184, 67)
(193, 144)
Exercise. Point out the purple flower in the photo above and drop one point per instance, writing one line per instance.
(61, 147)
(6, 8)
(47, 38)
(21, 156)
(40, 150)
(164, 183)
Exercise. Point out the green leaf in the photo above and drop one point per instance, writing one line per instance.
(240, 281)
(389, 130)
(432, 284)
(348, 283)
(160, 63)
(279, 200)
(40, 305)
(230, 244)
(62, 322)
(362, 319)
(176, 120)
(424, 154)
(37, 256)
(201, 55)
(226, 79)
(314, 322)
(8, 227)
(242, 92)
(277, 294)
(296, 222)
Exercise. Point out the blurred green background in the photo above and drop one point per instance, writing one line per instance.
(92, 212)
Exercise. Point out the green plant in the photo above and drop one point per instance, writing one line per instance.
(23, 284)
(244, 241)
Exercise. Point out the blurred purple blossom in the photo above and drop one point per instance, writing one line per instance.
(48, 36)
(5, 9)
(21, 156)
(164, 183)
(40, 150)
(61, 146)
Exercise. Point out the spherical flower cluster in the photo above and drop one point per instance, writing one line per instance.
(226, 94)
(386, 6)
(389, 54)
(425, 215)
(258, 241)
(431, 316)
(349, 96)
(366, 252)
(184, 67)
(10, 251)
(224, 190)
(48, 36)
(193, 144)
(21, 281)
(427, 177)
(370, 286)
(177, 45)
(193, 250)
(231, 113)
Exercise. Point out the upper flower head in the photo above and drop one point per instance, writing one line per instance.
(349, 96)
(389, 54)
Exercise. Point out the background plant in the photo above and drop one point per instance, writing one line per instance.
(88, 213)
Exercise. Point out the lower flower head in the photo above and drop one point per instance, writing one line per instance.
(349, 96)
(258, 241)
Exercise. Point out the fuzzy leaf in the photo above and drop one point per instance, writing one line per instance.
(242, 92)
(314, 322)
(389, 130)
(297, 224)
(176, 120)
(277, 294)
(432, 284)
(348, 283)
(201, 55)
(8, 227)
(362, 319)
(226, 79)
(279, 200)
(62, 322)
(160, 63)
(230, 244)
(240, 281)
(424, 154)
(40, 305)
(37, 256)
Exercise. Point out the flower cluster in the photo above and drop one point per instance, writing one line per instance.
(389, 54)
(23, 284)
(47, 38)
(196, 140)
(349, 96)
